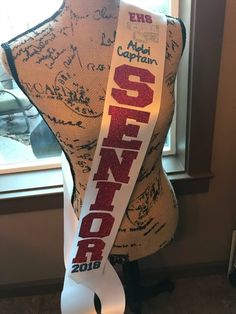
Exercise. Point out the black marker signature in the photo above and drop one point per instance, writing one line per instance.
(51, 55)
(71, 57)
(107, 41)
(88, 146)
(103, 14)
(63, 122)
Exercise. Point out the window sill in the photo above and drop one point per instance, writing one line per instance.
(182, 181)
(43, 189)
(30, 191)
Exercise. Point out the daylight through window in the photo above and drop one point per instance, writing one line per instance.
(25, 139)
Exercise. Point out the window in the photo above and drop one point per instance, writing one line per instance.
(189, 169)
(26, 140)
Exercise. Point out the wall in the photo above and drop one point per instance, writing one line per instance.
(31, 246)
(206, 220)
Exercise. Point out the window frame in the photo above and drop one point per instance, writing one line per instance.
(197, 96)
(190, 169)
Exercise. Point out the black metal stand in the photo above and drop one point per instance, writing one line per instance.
(135, 292)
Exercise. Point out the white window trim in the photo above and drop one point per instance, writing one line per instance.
(35, 165)
(174, 7)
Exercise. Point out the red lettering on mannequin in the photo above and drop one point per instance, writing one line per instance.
(145, 93)
(119, 170)
(93, 246)
(105, 195)
(118, 127)
(104, 223)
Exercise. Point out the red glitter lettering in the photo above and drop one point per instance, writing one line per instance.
(118, 127)
(132, 17)
(148, 19)
(119, 170)
(140, 18)
(93, 246)
(104, 223)
(105, 195)
(145, 93)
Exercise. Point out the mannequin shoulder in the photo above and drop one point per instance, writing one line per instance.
(177, 30)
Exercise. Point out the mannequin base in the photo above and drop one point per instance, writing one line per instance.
(135, 292)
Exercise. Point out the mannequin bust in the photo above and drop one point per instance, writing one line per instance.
(62, 65)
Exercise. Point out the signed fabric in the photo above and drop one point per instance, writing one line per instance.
(63, 65)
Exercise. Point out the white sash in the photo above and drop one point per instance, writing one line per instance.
(130, 113)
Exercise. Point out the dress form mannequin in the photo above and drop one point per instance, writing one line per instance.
(62, 65)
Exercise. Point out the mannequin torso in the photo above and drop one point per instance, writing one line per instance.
(63, 65)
